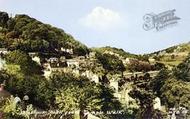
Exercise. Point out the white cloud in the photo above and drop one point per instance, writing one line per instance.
(102, 19)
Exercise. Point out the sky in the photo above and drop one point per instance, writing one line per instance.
(116, 23)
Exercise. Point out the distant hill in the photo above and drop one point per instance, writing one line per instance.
(115, 51)
(172, 56)
(185, 48)
(30, 35)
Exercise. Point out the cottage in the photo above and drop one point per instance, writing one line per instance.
(2, 63)
(35, 57)
(114, 85)
(91, 75)
(52, 66)
(3, 51)
(70, 51)
(92, 54)
(157, 103)
(62, 59)
(53, 60)
(151, 60)
(73, 63)
(126, 61)
(32, 54)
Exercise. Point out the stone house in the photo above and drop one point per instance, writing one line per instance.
(35, 57)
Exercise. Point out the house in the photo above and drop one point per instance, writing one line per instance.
(2, 63)
(73, 63)
(3, 51)
(91, 76)
(126, 61)
(62, 59)
(32, 54)
(35, 57)
(54, 64)
(53, 60)
(114, 85)
(70, 51)
(92, 55)
(81, 57)
(157, 103)
(151, 60)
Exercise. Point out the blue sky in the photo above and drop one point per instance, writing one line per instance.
(115, 23)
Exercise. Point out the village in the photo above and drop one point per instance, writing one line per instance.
(78, 66)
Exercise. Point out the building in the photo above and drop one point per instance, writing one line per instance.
(35, 57)
(91, 76)
(70, 51)
(53, 60)
(151, 60)
(92, 55)
(74, 63)
(2, 63)
(3, 51)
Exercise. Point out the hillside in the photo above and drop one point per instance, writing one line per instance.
(118, 52)
(172, 56)
(30, 35)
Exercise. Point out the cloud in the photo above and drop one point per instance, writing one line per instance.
(101, 19)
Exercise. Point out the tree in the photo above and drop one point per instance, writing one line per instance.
(145, 97)
(157, 83)
(159, 66)
(108, 102)
(136, 65)
(175, 93)
(27, 65)
(79, 93)
(35, 86)
(4, 17)
(75, 93)
(11, 24)
(182, 71)
(110, 63)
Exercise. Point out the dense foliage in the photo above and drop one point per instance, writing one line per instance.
(110, 63)
(27, 34)
(182, 71)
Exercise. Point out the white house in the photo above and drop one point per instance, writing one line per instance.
(91, 76)
(151, 60)
(157, 103)
(53, 59)
(70, 51)
(114, 84)
(72, 62)
(2, 63)
(3, 51)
